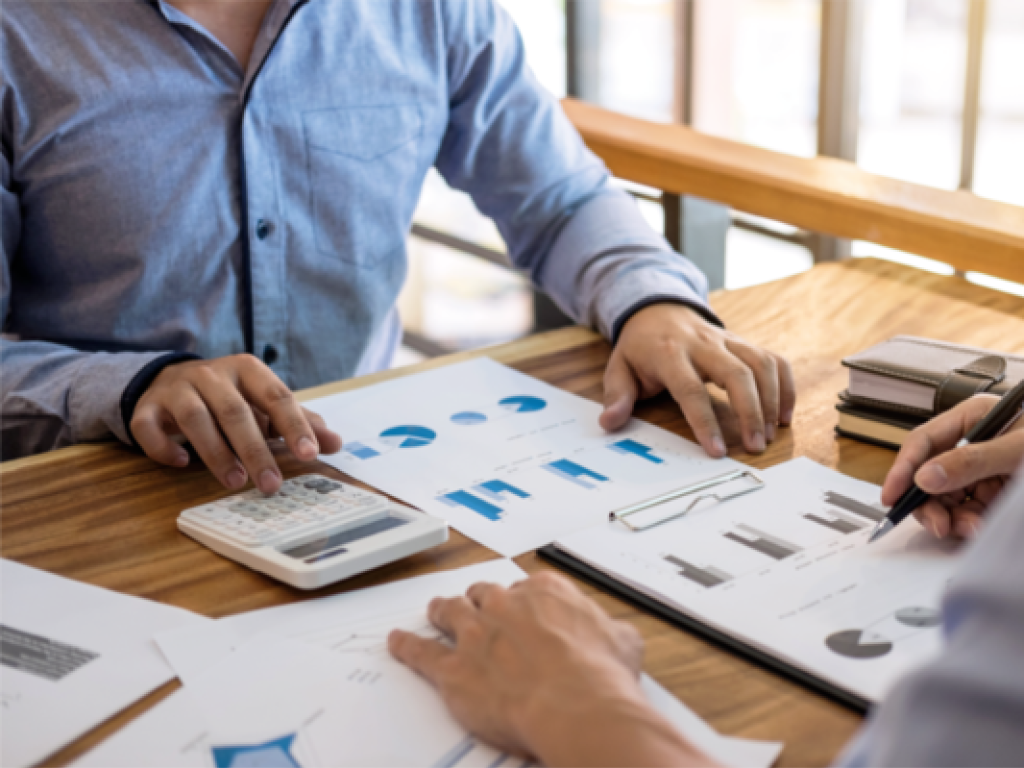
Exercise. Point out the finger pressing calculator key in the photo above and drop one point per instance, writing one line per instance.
(313, 531)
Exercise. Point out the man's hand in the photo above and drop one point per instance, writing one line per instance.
(227, 408)
(516, 648)
(540, 670)
(669, 346)
(963, 481)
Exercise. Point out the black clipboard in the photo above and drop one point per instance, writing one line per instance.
(578, 568)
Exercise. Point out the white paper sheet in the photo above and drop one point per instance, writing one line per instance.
(313, 683)
(788, 569)
(73, 655)
(363, 710)
(192, 652)
(508, 460)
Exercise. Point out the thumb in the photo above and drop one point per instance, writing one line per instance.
(967, 465)
(620, 393)
(420, 654)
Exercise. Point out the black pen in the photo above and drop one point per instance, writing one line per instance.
(995, 421)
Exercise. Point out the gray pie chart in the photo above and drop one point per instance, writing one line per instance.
(919, 616)
(858, 644)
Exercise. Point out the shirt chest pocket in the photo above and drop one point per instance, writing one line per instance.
(362, 161)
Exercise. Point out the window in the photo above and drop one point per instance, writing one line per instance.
(999, 162)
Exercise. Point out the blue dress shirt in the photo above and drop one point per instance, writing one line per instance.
(157, 198)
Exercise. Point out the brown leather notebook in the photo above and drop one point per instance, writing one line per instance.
(873, 425)
(923, 377)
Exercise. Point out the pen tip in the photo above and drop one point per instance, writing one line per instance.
(880, 530)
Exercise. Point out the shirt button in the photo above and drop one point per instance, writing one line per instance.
(270, 354)
(263, 229)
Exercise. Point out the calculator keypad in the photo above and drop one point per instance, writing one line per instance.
(303, 505)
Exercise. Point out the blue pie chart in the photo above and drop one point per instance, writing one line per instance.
(408, 436)
(468, 418)
(523, 404)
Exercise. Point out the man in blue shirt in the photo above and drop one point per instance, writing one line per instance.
(205, 204)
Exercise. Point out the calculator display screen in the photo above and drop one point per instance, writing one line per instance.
(329, 546)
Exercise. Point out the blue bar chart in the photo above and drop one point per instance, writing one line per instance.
(361, 451)
(633, 448)
(471, 502)
(500, 491)
(276, 752)
(575, 473)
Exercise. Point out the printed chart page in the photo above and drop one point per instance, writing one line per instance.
(313, 684)
(72, 656)
(339, 699)
(192, 652)
(788, 569)
(508, 460)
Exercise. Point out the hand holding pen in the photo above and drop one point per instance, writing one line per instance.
(959, 479)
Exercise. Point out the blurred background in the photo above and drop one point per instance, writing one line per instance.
(930, 91)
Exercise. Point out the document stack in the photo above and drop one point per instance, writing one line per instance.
(901, 383)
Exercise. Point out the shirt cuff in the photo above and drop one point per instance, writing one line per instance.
(139, 384)
(607, 264)
(699, 307)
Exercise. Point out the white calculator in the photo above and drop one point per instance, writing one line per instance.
(313, 531)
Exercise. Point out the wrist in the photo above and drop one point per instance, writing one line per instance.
(699, 311)
(596, 729)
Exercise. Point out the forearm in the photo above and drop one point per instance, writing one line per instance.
(607, 264)
(510, 145)
(615, 730)
(54, 396)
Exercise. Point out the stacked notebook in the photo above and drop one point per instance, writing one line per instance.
(901, 383)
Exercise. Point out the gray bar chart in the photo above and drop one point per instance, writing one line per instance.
(762, 542)
(708, 576)
(839, 523)
(852, 505)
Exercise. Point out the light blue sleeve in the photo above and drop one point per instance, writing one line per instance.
(510, 146)
(967, 707)
(51, 395)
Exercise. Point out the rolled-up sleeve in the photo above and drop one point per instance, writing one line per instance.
(511, 147)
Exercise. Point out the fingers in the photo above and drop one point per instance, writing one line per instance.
(935, 437)
(620, 393)
(260, 385)
(330, 442)
(766, 376)
(192, 415)
(935, 518)
(482, 593)
(452, 615)
(688, 390)
(730, 373)
(235, 418)
(969, 464)
(967, 521)
(147, 428)
(418, 653)
(944, 519)
(787, 390)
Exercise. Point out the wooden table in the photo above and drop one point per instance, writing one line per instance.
(104, 515)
